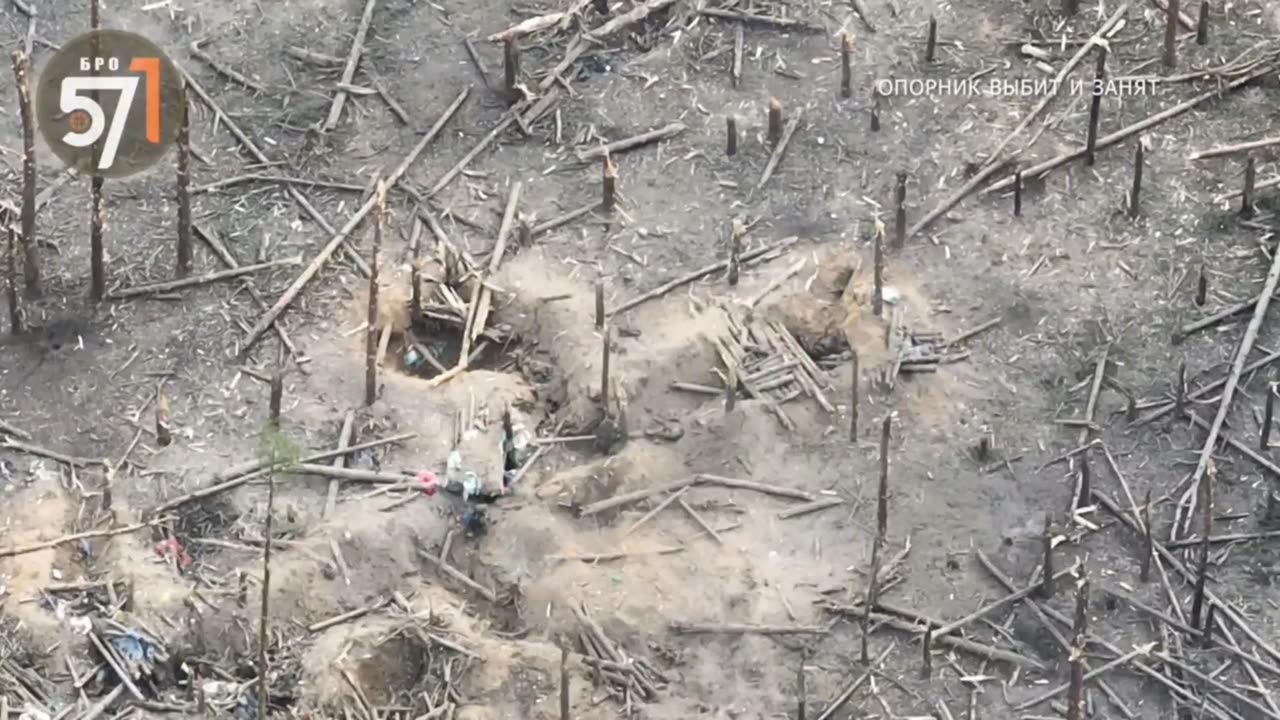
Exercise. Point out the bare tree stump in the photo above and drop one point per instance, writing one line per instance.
(31, 253)
(1268, 417)
(874, 111)
(608, 183)
(1095, 105)
(775, 122)
(1246, 194)
(1202, 23)
(1202, 569)
(276, 401)
(97, 254)
(11, 282)
(730, 389)
(1076, 689)
(900, 212)
(599, 305)
(604, 372)
(926, 654)
(1135, 194)
(415, 273)
(1046, 572)
(846, 66)
(1017, 193)
(184, 192)
(735, 252)
(853, 404)
(802, 690)
(164, 430)
(1148, 545)
(731, 136)
(1171, 33)
(877, 294)
(1085, 491)
(931, 41)
(564, 651)
(371, 332)
(882, 521)
(511, 70)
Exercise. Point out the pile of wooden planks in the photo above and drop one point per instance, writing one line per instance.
(766, 360)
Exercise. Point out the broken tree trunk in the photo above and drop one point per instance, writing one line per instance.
(31, 256)
(375, 262)
(97, 260)
(11, 282)
(184, 192)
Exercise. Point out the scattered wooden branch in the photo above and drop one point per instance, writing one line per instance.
(917, 628)
(810, 507)
(1041, 169)
(751, 18)
(325, 253)
(527, 27)
(1042, 615)
(775, 490)
(241, 474)
(344, 441)
(349, 474)
(636, 141)
(1221, 150)
(995, 157)
(779, 149)
(349, 70)
(77, 537)
(618, 501)
(224, 70)
(1225, 609)
(312, 57)
(686, 628)
(33, 449)
(460, 576)
(14, 431)
(847, 693)
(698, 275)
(1228, 391)
(212, 277)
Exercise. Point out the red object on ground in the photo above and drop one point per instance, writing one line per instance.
(429, 482)
(173, 548)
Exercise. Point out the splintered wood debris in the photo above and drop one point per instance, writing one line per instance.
(769, 364)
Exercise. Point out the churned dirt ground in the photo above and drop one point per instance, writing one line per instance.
(668, 565)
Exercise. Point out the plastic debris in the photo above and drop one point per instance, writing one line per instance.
(474, 520)
(221, 692)
(171, 548)
(891, 295)
(365, 459)
(429, 482)
(138, 652)
(413, 359)
(456, 477)
(516, 449)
